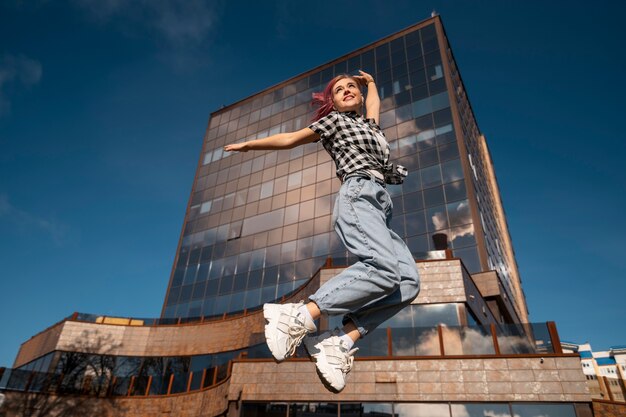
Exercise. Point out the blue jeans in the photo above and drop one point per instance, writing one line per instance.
(385, 278)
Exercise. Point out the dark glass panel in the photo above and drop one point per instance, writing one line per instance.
(185, 293)
(432, 58)
(433, 197)
(255, 277)
(399, 65)
(428, 32)
(470, 258)
(327, 75)
(340, 68)
(428, 157)
(240, 281)
(452, 170)
(442, 117)
(271, 276)
(414, 50)
(430, 45)
(383, 77)
(382, 57)
(397, 44)
(417, 78)
(198, 290)
(190, 274)
(403, 98)
(179, 273)
(418, 245)
(194, 256)
(448, 151)
(437, 86)
(411, 183)
(253, 298)
(211, 288)
(415, 223)
(367, 58)
(431, 176)
(354, 64)
(413, 201)
(226, 284)
(236, 301)
(425, 125)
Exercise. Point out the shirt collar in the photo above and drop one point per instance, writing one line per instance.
(352, 114)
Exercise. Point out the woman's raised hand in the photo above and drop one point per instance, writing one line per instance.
(364, 79)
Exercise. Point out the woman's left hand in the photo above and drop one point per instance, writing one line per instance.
(364, 79)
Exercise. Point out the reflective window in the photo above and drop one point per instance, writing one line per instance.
(421, 409)
(480, 410)
(543, 410)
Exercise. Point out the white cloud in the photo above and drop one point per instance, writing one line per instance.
(14, 70)
(178, 22)
(58, 232)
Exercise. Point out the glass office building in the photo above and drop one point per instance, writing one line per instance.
(258, 227)
(258, 224)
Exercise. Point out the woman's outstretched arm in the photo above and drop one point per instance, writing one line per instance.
(372, 102)
(278, 141)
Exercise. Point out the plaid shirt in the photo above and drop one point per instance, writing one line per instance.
(351, 141)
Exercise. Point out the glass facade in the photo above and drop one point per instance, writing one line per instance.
(497, 248)
(414, 332)
(259, 223)
(373, 409)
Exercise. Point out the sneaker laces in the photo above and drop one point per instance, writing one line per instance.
(296, 335)
(347, 361)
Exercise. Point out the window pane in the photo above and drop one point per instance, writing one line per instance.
(422, 409)
(480, 410)
(543, 410)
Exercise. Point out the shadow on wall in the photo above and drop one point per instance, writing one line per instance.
(71, 391)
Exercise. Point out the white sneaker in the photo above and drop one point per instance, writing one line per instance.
(285, 328)
(332, 357)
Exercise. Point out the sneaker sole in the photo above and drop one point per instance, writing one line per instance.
(271, 312)
(320, 374)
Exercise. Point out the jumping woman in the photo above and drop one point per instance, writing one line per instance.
(384, 279)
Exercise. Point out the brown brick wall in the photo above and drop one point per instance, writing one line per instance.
(498, 379)
(555, 379)
(39, 345)
(608, 409)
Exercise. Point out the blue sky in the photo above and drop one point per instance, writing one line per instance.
(104, 104)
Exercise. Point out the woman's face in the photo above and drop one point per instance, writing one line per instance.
(347, 95)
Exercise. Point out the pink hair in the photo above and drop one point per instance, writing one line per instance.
(324, 100)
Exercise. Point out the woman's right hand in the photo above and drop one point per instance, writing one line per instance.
(364, 79)
(236, 147)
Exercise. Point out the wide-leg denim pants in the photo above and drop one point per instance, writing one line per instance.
(385, 278)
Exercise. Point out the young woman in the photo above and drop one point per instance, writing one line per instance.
(385, 278)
